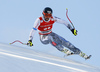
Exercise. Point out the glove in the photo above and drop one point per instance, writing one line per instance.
(30, 43)
(74, 32)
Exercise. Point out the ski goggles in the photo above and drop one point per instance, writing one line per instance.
(47, 15)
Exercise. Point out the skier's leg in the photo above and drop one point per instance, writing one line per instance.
(73, 48)
(70, 46)
(44, 39)
(53, 39)
(56, 42)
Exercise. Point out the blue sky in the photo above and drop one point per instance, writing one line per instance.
(17, 18)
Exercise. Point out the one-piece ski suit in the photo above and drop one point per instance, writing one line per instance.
(47, 36)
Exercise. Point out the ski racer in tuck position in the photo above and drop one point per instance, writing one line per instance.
(44, 25)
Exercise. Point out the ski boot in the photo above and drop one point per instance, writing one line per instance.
(67, 52)
(84, 55)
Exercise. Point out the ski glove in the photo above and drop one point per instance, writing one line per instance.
(74, 32)
(30, 43)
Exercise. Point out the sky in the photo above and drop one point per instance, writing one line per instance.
(17, 18)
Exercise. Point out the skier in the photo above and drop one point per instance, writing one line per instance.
(44, 26)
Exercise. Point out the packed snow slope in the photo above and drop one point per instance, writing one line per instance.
(19, 59)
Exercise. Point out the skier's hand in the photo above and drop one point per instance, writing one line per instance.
(30, 43)
(74, 32)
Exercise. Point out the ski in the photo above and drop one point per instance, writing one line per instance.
(88, 57)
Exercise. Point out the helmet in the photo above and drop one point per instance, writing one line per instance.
(48, 10)
(47, 13)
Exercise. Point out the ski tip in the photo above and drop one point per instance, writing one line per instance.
(88, 57)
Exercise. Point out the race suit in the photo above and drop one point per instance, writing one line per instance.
(47, 36)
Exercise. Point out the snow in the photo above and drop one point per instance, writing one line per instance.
(20, 59)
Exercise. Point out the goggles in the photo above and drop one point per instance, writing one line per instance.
(47, 15)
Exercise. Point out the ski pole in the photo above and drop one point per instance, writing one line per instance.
(68, 18)
(19, 42)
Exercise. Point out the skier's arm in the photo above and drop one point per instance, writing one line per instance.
(58, 20)
(34, 29)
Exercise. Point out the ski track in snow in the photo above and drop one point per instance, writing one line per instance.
(32, 59)
(34, 56)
